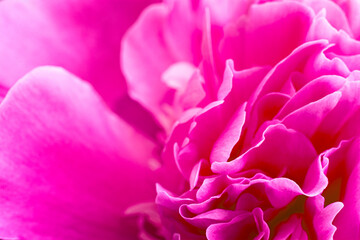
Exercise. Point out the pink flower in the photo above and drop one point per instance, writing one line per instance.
(261, 100)
(251, 131)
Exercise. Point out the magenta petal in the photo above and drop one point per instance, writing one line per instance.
(313, 91)
(135, 53)
(352, 8)
(348, 220)
(210, 67)
(264, 110)
(322, 29)
(239, 85)
(316, 181)
(350, 61)
(334, 13)
(281, 150)
(69, 167)
(346, 107)
(81, 36)
(267, 34)
(308, 118)
(343, 172)
(278, 76)
(168, 207)
(281, 191)
(229, 137)
(162, 35)
(291, 229)
(195, 146)
(241, 227)
(204, 220)
(320, 65)
(322, 217)
(228, 10)
(171, 171)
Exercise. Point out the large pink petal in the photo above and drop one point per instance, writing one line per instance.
(69, 167)
(81, 36)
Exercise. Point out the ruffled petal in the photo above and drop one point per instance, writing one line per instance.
(347, 221)
(241, 227)
(280, 151)
(322, 216)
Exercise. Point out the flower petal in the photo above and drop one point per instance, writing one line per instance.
(69, 167)
(168, 30)
(81, 36)
(241, 227)
(347, 221)
(269, 32)
(351, 8)
(293, 155)
(322, 217)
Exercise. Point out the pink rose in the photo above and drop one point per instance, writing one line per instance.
(251, 130)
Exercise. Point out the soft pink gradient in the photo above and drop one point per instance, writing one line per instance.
(242, 120)
(64, 164)
(65, 156)
(81, 36)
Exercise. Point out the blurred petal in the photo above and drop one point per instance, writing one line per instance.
(81, 36)
(351, 9)
(69, 167)
(162, 35)
(333, 12)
